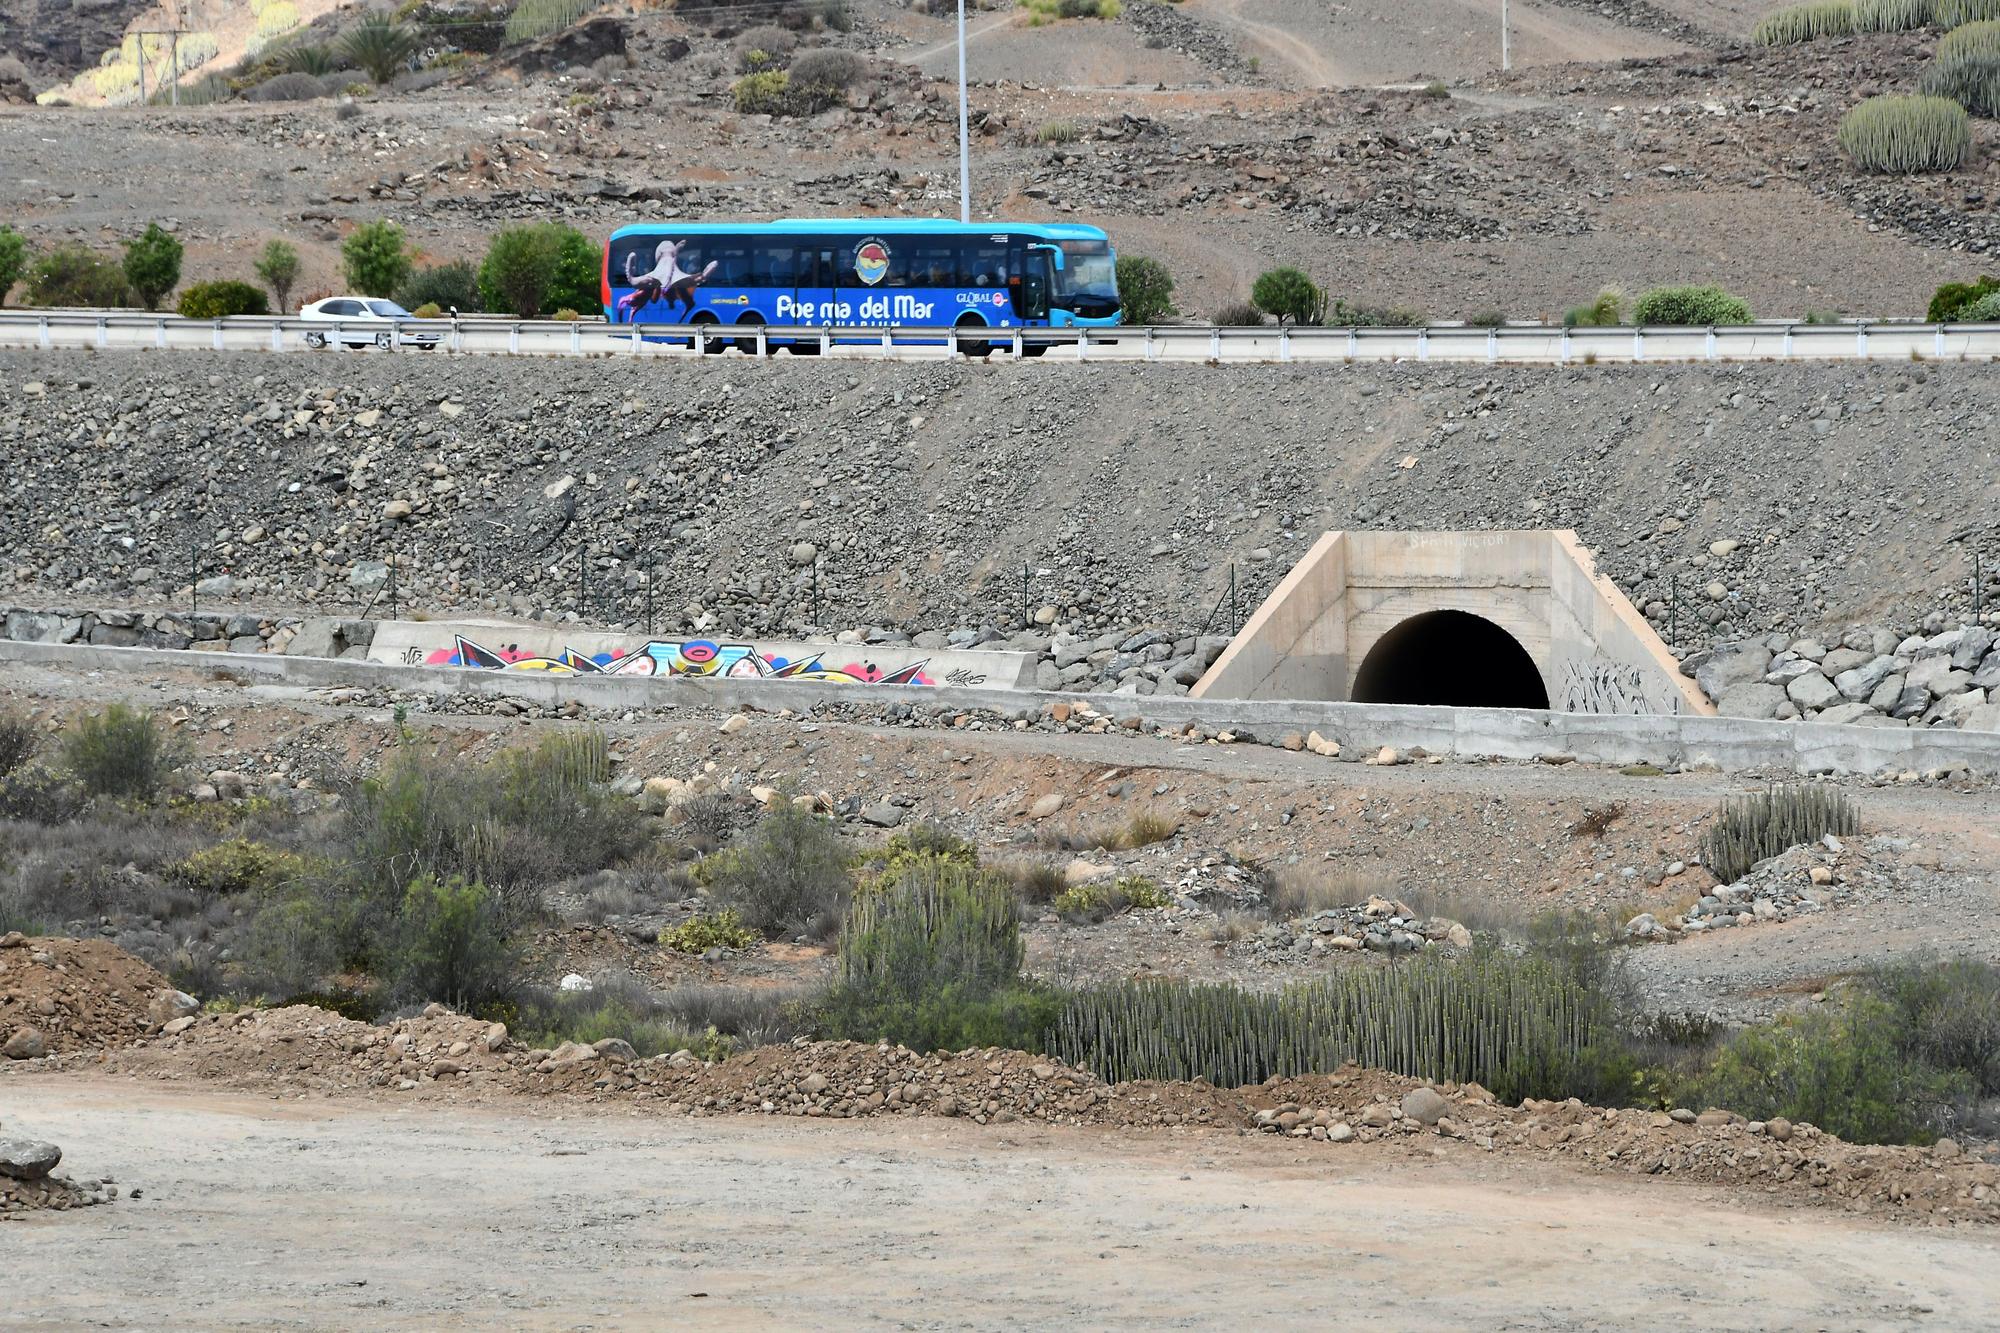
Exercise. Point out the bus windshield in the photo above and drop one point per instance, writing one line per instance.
(1088, 280)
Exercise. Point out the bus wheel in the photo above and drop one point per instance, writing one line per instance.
(704, 341)
(749, 323)
(968, 346)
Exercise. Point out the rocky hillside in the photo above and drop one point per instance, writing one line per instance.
(934, 496)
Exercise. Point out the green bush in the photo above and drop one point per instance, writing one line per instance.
(1145, 289)
(1953, 297)
(763, 47)
(450, 286)
(1057, 132)
(381, 46)
(73, 275)
(539, 18)
(1606, 312)
(1891, 15)
(1696, 306)
(277, 19)
(912, 850)
(20, 737)
(1288, 294)
(1099, 899)
(516, 824)
(428, 310)
(537, 267)
(1519, 1026)
(1972, 81)
(153, 264)
(788, 878)
(318, 61)
(278, 268)
(1755, 828)
(373, 258)
(13, 260)
(935, 964)
(766, 94)
(239, 865)
(453, 946)
(699, 934)
(1986, 310)
(1906, 134)
(1973, 39)
(1805, 23)
(121, 752)
(1837, 1066)
(219, 300)
(1947, 1014)
(826, 67)
(288, 88)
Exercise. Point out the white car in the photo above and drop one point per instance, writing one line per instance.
(364, 321)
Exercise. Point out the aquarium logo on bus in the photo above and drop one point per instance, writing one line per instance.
(901, 306)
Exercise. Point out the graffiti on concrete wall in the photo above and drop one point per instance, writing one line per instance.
(677, 657)
(1603, 686)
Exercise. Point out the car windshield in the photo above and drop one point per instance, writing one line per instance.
(1088, 270)
(388, 310)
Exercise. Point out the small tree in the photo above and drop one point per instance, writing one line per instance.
(452, 945)
(153, 265)
(74, 275)
(381, 46)
(13, 260)
(1145, 289)
(278, 269)
(539, 267)
(1287, 293)
(374, 260)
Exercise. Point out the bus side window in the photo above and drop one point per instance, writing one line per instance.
(731, 255)
(983, 263)
(774, 263)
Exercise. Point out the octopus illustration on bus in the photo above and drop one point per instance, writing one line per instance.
(859, 273)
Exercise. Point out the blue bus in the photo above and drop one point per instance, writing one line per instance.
(855, 272)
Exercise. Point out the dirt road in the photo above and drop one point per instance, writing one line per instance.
(262, 1213)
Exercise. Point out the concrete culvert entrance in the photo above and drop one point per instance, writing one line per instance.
(1450, 659)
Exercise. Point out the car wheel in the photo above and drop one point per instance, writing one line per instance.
(316, 340)
(705, 341)
(385, 340)
(749, 324)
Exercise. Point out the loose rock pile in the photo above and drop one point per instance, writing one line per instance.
(1801, 881)
(28, 1185)
(1872, 677)
(59, 995)
(1380, 925)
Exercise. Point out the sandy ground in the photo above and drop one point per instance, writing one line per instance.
(268, 1214)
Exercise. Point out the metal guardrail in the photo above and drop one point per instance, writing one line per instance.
(1534, 344)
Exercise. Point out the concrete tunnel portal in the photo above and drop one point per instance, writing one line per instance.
(1452, 659)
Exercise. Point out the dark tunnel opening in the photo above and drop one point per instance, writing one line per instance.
(1450, 659)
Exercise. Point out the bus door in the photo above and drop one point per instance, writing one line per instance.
(819, 280)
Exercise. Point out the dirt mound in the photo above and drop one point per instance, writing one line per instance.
(69, 995)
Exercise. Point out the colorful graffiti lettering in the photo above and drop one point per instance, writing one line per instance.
(690, 657)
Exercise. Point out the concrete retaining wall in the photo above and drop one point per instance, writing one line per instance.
(1732, 744)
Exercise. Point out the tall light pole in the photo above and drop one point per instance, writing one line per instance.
(964, 143)
(1506, 63)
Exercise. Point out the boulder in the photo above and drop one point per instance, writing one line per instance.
(1750, 699)
(1733, 665)
(1812, 690)
(25, 1043)
(1859, 682)
(28, 1159)
(1425, 1105)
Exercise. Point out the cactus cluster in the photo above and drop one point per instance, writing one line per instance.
(1973, 39)
(1972, 80)
(1892, 15)
(1754, 828)
(539, 18)
(1957, 13)
(1906, 134)
(1513, 1024)
(1805, 23)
